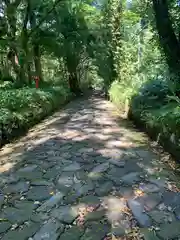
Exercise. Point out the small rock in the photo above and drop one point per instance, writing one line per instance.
(65, 214)
(138, 212)
(50, 203)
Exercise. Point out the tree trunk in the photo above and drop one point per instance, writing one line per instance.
(13, 53)
(37, 61)
(168, 39)
(73, 84)
(24, 40)
(36, 48)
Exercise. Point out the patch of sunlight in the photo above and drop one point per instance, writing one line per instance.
(116, 207)
(138, 193)
(94, 175)
(114, 143)
(102, 136)
(41, 140)
(6, 167)
(71, 134)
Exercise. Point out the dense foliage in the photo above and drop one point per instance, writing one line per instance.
(130, 49)
(148, 76)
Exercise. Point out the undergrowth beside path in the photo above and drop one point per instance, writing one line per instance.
(22, 108)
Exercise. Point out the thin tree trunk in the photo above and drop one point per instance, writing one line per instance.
(24, 40)
(37, 61)
(36, 48)
(168, 39)
(13, 53)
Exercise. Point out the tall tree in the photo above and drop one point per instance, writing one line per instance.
(168, 39)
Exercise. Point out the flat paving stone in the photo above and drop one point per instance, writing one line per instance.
(31, 172)
(1, 199)
(50, 203)
(95, 215)
(24, 204)
(171, 199)
(169, 231)
(4, 226)
(125, 192)
(177, 212)
(39, 193)
(20, 187)
(96, 231)
(90, 200)
(138, 212)
(73, 233)
(149, 187)
(51, 173)
(131, 178)
(160, 217)
(150, 201)
(104, 189)
(117, 162)
(49, 231)
(118, 231)
(99, 169)
(148, 234)
(65, 214)
(41, 182)
(25, 233)
(72, 167)
(65, 181)
(15, 215)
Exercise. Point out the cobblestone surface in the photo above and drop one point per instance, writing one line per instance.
(83, 174)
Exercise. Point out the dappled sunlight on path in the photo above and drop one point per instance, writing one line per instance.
(86, 174)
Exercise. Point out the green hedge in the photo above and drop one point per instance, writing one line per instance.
(155, 110)
(22, 108)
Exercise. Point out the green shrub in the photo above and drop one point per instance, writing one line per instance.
(22, 108)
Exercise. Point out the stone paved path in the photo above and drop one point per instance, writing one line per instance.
(85, 174)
